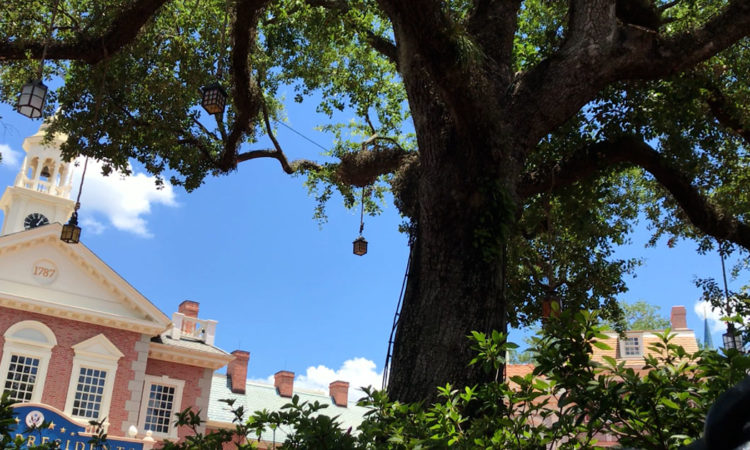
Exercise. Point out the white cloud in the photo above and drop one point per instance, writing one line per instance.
(359, 372)
(10, 158)
(93, 226)
(122, 200)
(703, 309)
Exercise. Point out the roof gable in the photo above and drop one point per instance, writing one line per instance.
(40, 273)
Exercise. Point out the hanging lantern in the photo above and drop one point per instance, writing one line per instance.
(31, 101)
(71, 232)
(214, 99)
(732, 340)
(360, 246)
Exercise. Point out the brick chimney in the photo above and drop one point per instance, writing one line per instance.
(678, 318)
(189, 308)
(284, 382)
(237, 370)
(339, 392)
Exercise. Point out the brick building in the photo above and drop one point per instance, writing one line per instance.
(80, 341)
(630, 349)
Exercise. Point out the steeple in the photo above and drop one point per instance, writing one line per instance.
(708, 343)
(41, 191)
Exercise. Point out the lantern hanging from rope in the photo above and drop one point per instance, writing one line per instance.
(71, 232)
(214, 99)
(360, 244)
(214, 96)
(31, 99)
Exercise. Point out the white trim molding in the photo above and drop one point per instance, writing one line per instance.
(163, 380)
(28, 338)
(96, 353)
(188, 357)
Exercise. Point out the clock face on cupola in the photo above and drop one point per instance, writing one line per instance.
(34, 220)
(40, 194)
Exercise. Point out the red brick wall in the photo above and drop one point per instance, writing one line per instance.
(69, 333)
(190, 392)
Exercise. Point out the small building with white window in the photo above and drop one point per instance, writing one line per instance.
(633, 345)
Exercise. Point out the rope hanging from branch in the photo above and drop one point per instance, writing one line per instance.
(360, 244)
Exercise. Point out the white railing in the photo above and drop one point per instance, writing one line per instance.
(45, 187)
(201, 329)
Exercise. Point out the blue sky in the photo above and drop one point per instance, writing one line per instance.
(282, 287)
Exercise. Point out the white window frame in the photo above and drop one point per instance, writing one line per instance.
(100, 354)
(17, 344)
(623, 345)
(163, 380)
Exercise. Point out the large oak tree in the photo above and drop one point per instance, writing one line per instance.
(541, 129)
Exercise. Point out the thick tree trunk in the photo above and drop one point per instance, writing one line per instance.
(465, 207)
(446, 298)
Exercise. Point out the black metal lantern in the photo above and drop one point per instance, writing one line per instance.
(31, 100)
(360, 246)
(71, 232)
(732, 340)
(214, 99)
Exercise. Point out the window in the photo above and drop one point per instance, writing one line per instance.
(89, 393)
(159, 412)
(162, 397)
(92, 378)
(26, 355)
(22, 373)
(631, 346)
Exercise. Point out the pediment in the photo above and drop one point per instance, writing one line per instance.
(39, 272)
(98, 347)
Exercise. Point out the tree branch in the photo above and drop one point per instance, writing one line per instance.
(548, 94)
(383, 46)
(277, 153)
(703, 213)
(362, 168)
(494, 24)
(247, 97)
(91, 49)
(379, 43)
(660, 56)
(726, 113)
(558, 87)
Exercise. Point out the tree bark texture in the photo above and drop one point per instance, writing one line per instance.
(465, 200)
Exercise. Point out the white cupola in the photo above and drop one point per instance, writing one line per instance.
(41, 191)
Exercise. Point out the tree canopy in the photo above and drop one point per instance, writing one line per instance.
(521, 139)
(643, 316)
